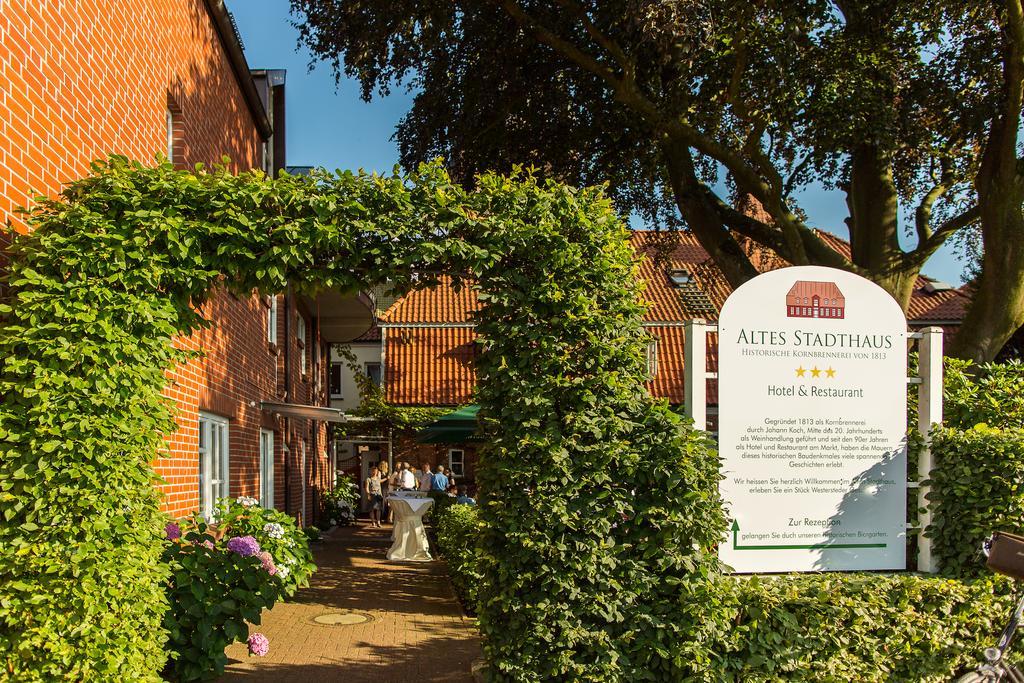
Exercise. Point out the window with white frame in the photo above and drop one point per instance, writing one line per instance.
(272, 320)
(374, 373)
(267, 468)
(457, 461)
(213, 461)
(300, 333)
(652, 358)
(335, 383)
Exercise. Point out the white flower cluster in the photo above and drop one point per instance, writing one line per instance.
(283, 572)
(246, 501)
(273, 529)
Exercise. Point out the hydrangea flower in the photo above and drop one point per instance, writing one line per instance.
(268, 562)
(247, 501)
(246, 546)
(173, 531)
(283, 572)
(258, 644)
(273, 529)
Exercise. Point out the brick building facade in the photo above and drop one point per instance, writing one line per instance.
(82, 80)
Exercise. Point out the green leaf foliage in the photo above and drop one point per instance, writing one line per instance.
(289, 546)
(214, 594)
(458, 529)
(815, 628)
(977, 488)
(339, 504)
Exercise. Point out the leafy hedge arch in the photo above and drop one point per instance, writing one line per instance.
(122, 262)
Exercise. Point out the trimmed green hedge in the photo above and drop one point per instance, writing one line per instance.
(817, 628)
(458, 529)
(856, 627)
(977, 488)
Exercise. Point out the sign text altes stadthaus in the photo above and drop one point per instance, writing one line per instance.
(812, 423)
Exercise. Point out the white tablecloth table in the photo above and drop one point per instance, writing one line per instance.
(409, 537)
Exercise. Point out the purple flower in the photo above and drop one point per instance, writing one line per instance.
(246, 546)
(268, 562)
(258, 644)
(173, 531)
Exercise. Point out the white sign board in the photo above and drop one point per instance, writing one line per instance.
(812, 422)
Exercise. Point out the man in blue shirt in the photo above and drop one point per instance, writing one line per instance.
(440, 482)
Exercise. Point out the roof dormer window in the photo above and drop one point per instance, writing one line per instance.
(679, 277)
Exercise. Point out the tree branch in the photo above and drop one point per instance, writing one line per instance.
(923, 214)
(938, 237)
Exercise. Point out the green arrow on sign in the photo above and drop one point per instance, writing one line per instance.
(736, 543)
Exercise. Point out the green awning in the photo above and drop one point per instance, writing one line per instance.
(457, 426)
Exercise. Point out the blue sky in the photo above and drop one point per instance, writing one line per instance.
(332, 127)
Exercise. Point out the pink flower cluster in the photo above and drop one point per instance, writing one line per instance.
(258, 644)
(268, 562)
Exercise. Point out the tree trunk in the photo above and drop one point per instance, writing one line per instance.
(997, 309)
(997, 306)
(702, 218)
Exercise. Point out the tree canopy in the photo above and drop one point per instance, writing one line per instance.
(684, 107)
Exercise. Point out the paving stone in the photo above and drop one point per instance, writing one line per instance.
(417, 634)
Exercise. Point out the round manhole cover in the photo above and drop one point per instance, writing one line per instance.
(342, 618)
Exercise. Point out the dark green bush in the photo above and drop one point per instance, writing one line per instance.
(977, 488)
(856, 627)
(213, 592)
(598, 504)
(277, 534)
(991, 393)
(339, 504)
(458, 529)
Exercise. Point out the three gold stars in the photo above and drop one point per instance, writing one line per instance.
(815, 371)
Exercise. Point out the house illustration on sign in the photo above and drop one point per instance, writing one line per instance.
(815, 300)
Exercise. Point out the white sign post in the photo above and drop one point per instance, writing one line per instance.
(812, 421)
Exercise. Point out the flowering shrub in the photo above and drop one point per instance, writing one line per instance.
(215, 588)
(256, 530)
(246, 546)
(259, 645)
(339, 504)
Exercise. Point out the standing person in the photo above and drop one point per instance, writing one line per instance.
(426, 479)
(408, 481)
(385, 488)
(394, 484)
(440, 480)
(373, 492)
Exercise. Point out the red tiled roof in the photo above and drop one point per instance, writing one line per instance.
(433, 365)
(430, 366)
(436, 304)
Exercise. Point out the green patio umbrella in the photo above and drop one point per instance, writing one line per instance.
(457, 426)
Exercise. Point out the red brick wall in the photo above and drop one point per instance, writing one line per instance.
(81, 80)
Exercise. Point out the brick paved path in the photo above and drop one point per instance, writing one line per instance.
(417, 634)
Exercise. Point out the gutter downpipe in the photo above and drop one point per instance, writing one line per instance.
(287, 396)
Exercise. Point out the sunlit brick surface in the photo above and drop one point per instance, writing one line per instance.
(82, 79)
